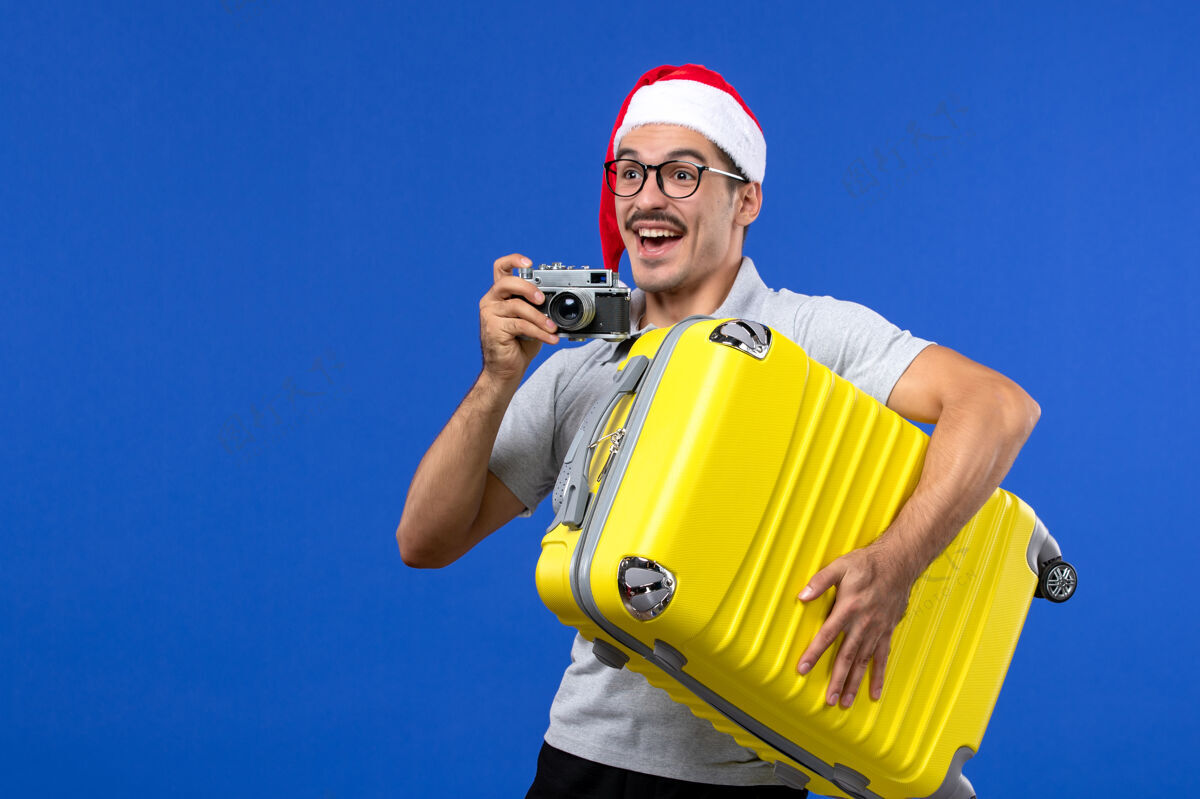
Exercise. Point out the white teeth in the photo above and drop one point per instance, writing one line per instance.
(653, 233)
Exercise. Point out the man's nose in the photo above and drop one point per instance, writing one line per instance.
(651, 196)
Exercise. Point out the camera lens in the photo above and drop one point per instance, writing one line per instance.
(571, 311)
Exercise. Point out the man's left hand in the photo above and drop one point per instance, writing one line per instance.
(873, 584)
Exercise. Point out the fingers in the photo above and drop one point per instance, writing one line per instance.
(505, 284)
(854, 656)
(516, 317)
(501, 329)
(505, 265)
(878, 665)
(819, 584)
(821, 641)
(855, 659)
(511, 328)
(510, 286)
(869, 603)
(860, 628)
(507, 311)
(821, 581)
(514, 297)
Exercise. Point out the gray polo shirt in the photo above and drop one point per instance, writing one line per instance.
(616, 717)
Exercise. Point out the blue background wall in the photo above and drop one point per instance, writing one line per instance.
(242, 244)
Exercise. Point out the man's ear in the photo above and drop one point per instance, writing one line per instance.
(749, 203)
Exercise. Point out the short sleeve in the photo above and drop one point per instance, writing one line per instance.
(856, 343)
(523, 455)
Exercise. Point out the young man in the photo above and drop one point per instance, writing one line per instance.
(610, 733)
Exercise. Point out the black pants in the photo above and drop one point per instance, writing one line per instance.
(561, 775)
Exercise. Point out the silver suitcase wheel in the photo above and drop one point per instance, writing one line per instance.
(1057, 580)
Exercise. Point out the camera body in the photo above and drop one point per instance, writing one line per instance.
(583, 302)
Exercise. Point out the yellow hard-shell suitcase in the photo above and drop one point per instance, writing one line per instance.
(723, 471)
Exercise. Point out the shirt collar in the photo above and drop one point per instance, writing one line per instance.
(739, 302)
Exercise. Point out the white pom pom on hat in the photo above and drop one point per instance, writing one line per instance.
(691, 96)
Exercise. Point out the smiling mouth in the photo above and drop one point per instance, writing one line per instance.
(654, 241)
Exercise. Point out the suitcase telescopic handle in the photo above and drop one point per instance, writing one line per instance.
(571, 491)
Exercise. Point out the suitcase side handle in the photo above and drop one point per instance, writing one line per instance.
(570, 491)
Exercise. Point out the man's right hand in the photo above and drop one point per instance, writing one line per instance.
(511, 330)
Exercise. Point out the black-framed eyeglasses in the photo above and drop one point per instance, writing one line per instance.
(676, 179)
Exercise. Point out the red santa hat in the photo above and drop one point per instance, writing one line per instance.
(693, 97)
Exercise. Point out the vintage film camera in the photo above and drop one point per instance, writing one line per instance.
(583, 302)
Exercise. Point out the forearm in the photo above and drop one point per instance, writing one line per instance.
(447, 490)
(978, 435)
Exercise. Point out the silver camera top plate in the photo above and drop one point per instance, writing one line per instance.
(556, 275)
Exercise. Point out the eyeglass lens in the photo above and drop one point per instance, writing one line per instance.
(678, 179)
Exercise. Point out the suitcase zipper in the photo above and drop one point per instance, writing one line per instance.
(614, 446)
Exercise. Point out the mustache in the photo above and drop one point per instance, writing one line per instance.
(654, 216)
